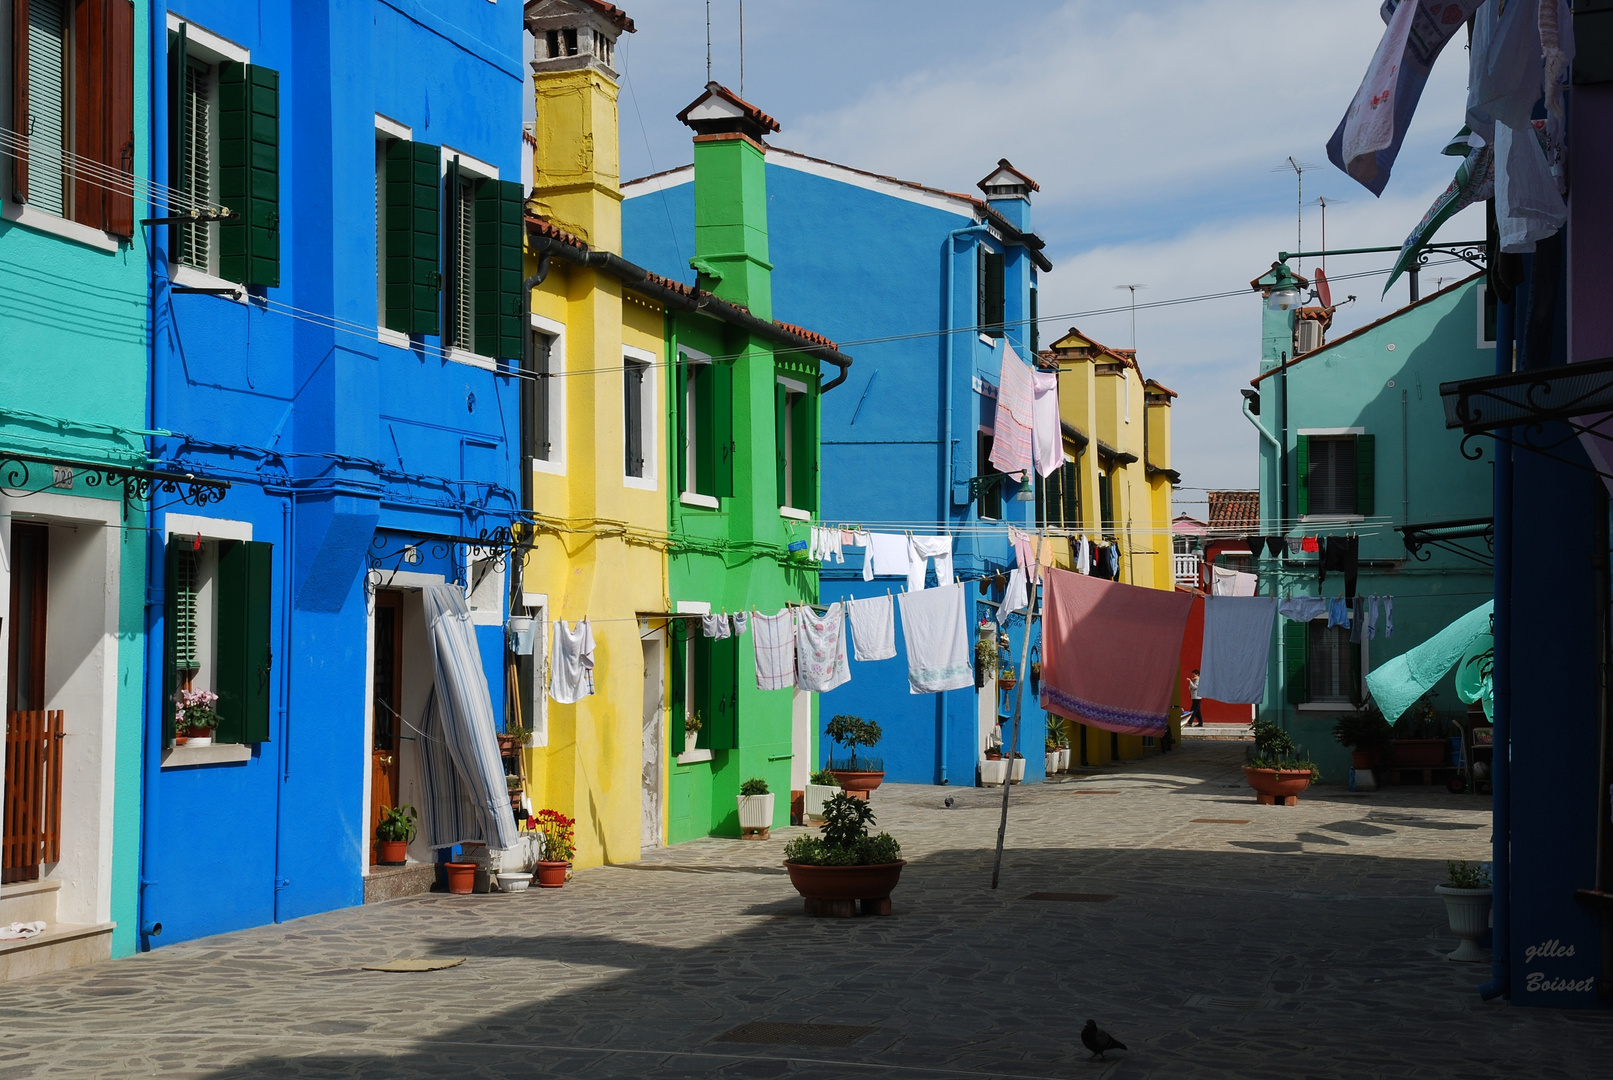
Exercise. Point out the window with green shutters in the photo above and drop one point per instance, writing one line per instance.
(990, 302)
(795, 436)
(1058, 498)
(1106, 499)
(413, 177)
(1070, 494)
(1333, 665)
(217, 615)
(1296, 662)
(705, 681)
(705, 437)
(1335, 475)
(249, 173)
(499, 252)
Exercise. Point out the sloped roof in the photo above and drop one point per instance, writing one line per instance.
(718, 104)
(1003, 166)
(1235, 511)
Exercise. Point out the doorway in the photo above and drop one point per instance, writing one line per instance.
(386, 710)
(650, 779)
(33, 772)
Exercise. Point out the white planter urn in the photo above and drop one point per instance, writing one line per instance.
(1469, 914)
(1052, 762)
(1064, 759)
(993, 773)
(755, 811)
(1019, 770)
(816, 796)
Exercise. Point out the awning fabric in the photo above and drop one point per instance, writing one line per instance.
(463, 775)
(1400, 682)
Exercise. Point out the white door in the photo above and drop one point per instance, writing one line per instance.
(650, 781)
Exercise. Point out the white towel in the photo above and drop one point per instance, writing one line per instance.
(820, 649)
(1015, 596)
(1046, 434)
(936, 626)
(774, 639)
(1083, 558)
(873, 627)
(885, 553)
(16, 931)
(740, 621)
(571, 664)
(1232, 583)
(1237, 644)
(921, 549)
(715, 626)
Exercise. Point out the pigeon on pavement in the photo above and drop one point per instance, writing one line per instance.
(948, 803)
(1099, 1041)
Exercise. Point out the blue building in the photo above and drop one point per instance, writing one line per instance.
(341, 347)
(933, 288)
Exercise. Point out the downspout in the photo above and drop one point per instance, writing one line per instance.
(1284, 521)
(949, 258)
(157, 251)
(1500, 984)
(518, 565)
(288, 532)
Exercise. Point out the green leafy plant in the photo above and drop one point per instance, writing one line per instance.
(824, 778)
(520, 735)
(1057, 737)
(1422, 721)
(754, 786)
(1363, 731)
(845, 840)
(1465, 875)
(397, 823)
(512, 783)
(692, 722)
(986, 655)
(559, 842)
(852, 732)
(1276, 749)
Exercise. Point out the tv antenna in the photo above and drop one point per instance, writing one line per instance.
(1322, 201)
(708, 40)
(1299, 168)
(1133, 290)
(741, 48)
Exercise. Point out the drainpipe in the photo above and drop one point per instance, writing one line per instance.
(517, 565)
(288, 531)
(949, 258)
(1500, 984)
(157, 250)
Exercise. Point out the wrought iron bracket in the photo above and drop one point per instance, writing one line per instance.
(138, 485)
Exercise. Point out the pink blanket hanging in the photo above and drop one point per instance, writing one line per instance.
(1110, 652)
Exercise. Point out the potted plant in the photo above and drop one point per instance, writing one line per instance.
(1366, 733)
(394, 833)
(559, 845)
(755, 809)
(845, 865)
(820, 788)
(994, 770)
(195, 717)
(461, 877)
(1017, 772)
(1420, 736)
(1467, 897)
(1006, 679)
(985, 653)
(514, 738)
(857, 775)
(1278, 771)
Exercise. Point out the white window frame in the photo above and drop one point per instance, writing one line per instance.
(486, 600)
(1361, 690)
(650, 481)
(207, 46)
(688, 496)
(691, 607)
(385, 128)
(556, 463)
(537, 606)
(787, 507)
(475, 167)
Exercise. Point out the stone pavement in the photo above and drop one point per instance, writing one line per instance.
(1306, 942)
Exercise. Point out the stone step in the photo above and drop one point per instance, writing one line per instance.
(59, 947)
(28, 901)
(391, 882)
(1217, 731)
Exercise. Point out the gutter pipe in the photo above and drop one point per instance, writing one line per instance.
(517, 584)
(638, 279)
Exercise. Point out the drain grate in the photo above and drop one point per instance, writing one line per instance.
(767, 1032)
(1219, 821)
(1072, 897)
(1090, 791)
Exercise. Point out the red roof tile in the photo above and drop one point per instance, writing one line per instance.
(752, 113)
(1234, 511)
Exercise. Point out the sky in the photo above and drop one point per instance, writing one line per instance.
(1159, 132)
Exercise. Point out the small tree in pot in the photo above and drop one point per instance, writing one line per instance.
(1366, 733)
(857, 775)
(846, 865)
(1278, 771)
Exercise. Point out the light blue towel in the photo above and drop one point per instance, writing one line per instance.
(1400, 682)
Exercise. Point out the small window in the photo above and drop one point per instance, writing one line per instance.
(705, 692)
(198, 162)
(561, 43)
(795, 435)
(991, 496)
(1332, 663)
(991, 295)
(604, 49)
(484, 572)
(541, 395)
(635, 416)
(705, 438)
(217, 628)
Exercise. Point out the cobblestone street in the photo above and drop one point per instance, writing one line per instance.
(1214, 936)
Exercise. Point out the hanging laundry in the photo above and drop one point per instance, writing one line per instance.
(1352, 562)
(1358, 620)
(1256, 546)
(1398, 683)
(571, 664)
(1110, 652)
(1296, 544)
(1339, 553)
(740, 621)
(1012, 434)
(774, 637)
(1015, 596)
(716, 626)
(1338, 612)
(827, 546)
(1372, 617)
(1083, 559)
(1237, 645)
(873, 627)
(885, 554)
(1232, 582)
(1388, 616)
(921, 549)
(1276, 544)
(1302, 608)
(820, 649)
(1309, 543)
(1046, 431)
(1024, 545)
(935, 624)
(1044, 557)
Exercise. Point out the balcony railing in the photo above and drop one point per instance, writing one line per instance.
(1187, 570)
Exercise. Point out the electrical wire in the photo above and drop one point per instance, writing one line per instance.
(86, 170)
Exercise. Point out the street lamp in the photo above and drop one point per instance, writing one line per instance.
(1284, 294)
(1026, 493)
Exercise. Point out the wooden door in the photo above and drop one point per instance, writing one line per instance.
(386, 712)
(32, 797)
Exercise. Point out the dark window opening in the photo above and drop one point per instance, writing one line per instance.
(991, 496)
(633, 378)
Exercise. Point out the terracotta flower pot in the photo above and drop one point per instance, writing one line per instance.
(858, 784)
(1008, 683)
(1277, 785)
(552, 873)
(461, 877)
(1364, 759)
(392, 852)
(835, 890)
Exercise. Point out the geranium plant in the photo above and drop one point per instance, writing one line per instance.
(559, 842)
(195, 710)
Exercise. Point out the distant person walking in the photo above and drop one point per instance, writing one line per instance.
(1193, 694)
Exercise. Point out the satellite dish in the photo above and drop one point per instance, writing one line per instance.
(1323, 293)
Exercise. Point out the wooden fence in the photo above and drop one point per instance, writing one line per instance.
(33, 794)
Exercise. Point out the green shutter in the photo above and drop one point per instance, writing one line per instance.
(805, 451)
(1302, 475)
(249, 173)
(1366, 501)
(241, 618)
(680, 409)
(1106, 500)
(498, 254)
(1355, 675)
(699, 650)
(993, 316)
(413, 222)
(721, 423)
(177, 46)
(680, 661)
(1036, 333)
(722, 691)
(781, 405)
(450, 254)
(705, 428)
(179, 624)
(1070, 491)
(1297, 661)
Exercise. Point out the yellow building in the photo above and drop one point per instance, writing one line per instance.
(1115, 486)
(592, 422)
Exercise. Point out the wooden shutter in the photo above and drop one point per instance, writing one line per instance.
(1366, 502)
(88, 109)
(498, 253)
(249, 173)
(781, 427)
(980, 287)
(680, 408)
(413, 222)
(721, 426)
(699, 651)
(47, 123)
(804, 430)
(118, 152)
(241, 617)
(1070, 493)
(677, 685)
(1297, 661)
(451, 255)
(633, 416)
(1106, 499)
(179, 624)
(722, 691)
(19, 99)
(992, 317)
(1035, 330)
(1302, 475)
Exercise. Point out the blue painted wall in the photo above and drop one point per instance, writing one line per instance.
(880, 272)
(339, 448)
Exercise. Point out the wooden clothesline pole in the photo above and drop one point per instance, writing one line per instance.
(1031, 611)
